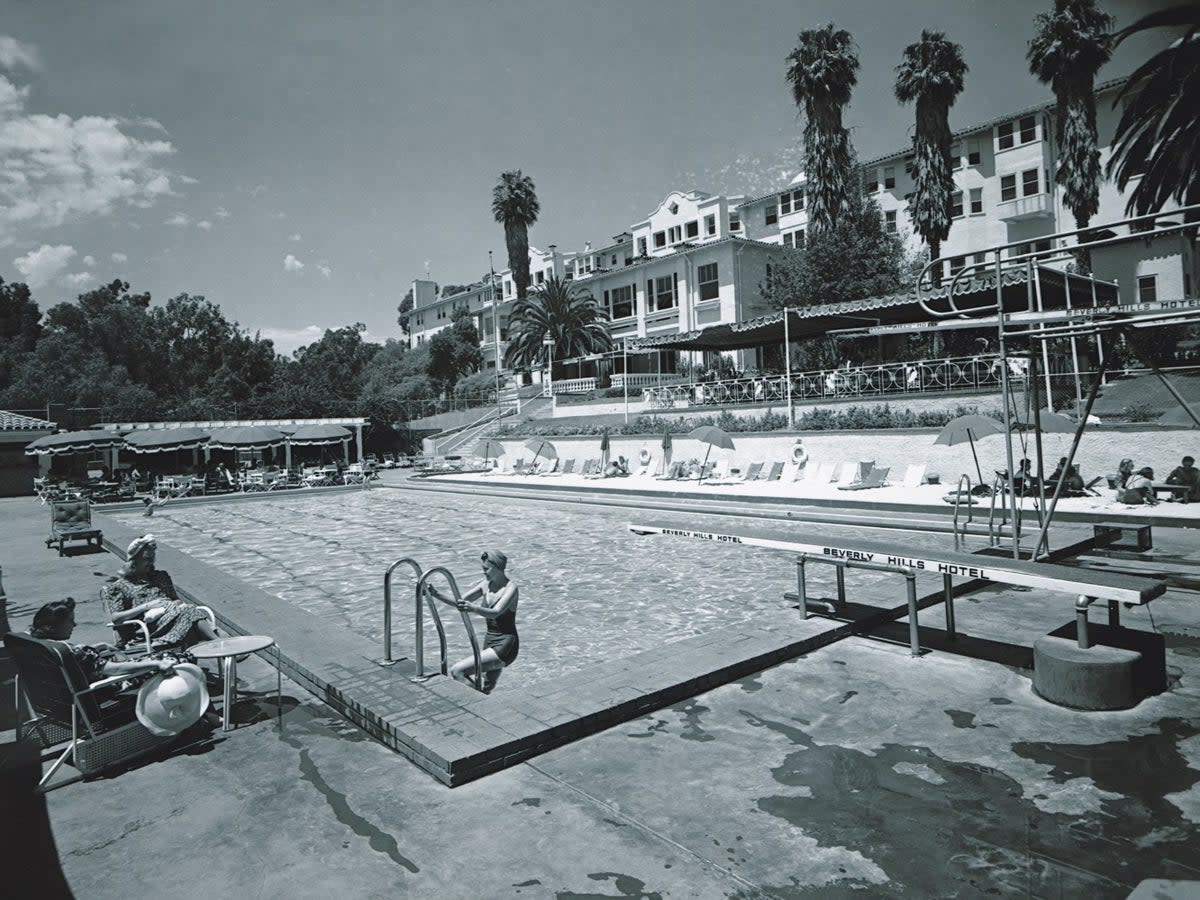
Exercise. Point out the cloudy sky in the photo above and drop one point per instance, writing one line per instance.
(300, 162)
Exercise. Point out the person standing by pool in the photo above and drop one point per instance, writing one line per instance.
(495, 598)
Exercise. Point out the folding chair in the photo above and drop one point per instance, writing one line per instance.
(55, 704)
(873, 479)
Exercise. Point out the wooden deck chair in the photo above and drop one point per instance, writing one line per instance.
(71, 520)
(875, 478)
(547, 467)
(913, 475)
(589, 467)
(567, 467)
(750, 473)
(775, 472)
(56, 705)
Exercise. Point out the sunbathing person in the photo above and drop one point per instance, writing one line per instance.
(1140, 488)
(617, 468)
(1124, 472)
(495, 598)
(143, 592)
(56, 620)
(1187, 474)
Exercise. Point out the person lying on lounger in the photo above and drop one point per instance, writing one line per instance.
(617, 468)
(495, 599)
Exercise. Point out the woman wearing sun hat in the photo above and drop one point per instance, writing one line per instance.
(143, 592)
(495, 598)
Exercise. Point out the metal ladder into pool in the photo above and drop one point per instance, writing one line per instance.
(420, 594)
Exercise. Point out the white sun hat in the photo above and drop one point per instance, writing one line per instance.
(171, 701)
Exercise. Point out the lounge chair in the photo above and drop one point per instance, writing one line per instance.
(824, 473)
(875, 478)
(71, 520)
(775, 472)
(567, 467)
(138, 630)
(56, 705)
(846, 473)
(751, 474)
(674, 473)
(914, 474)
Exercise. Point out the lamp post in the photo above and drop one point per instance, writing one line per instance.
(548, 343)
(495, 333)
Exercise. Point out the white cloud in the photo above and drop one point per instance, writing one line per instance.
(43, 265)
(89, 260)
(294, 237)
(324, 269)
(79, 279)
(204, 225)
(179, 220)
(62, 170)
(120, 258)
(188, 179)
(14, 54)
(257, 189)
(222, 213)
(291, 264)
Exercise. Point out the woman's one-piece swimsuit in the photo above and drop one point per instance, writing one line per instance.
(502, 636)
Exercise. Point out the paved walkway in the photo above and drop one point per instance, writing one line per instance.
(853, 767)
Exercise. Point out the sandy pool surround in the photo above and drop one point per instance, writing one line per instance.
(450, 730)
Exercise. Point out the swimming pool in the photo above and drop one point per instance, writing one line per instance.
(590, 590)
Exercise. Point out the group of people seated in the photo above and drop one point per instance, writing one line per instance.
(1025, 483)
(1139, 487)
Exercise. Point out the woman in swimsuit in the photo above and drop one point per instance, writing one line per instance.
(494, 598)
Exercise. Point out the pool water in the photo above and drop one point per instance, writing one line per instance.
(590, 589)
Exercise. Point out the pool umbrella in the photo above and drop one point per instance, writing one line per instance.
(487, 448)
(74, 442)
(315, 435)
(604, 450)
(666, 448)
(161, 440)
(246, 437)
(541, 447)
(967, 428)
(714, 437)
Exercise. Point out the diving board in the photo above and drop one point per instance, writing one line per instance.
(1106, 585)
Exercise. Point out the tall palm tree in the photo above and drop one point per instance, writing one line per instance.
(1068, 47)
(822, 74)
(557, 309)
(1158, 136)
(931, 73)
(516, 207)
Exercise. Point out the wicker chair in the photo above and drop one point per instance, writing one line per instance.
(55, 704)
(71, 520)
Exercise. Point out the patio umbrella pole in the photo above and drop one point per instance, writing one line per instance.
(978, 471)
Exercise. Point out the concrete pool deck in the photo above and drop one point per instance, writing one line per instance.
(854, 767)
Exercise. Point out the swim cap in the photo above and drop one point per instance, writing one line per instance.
(497, 559)
(137, 545)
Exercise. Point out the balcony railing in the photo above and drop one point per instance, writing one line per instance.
(919, 377)
(1038, 206)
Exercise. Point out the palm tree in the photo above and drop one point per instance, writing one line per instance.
(822, 74)
(515, 206)
(1069, 46)
(1158, 136)
(931, 73)
(557, 309)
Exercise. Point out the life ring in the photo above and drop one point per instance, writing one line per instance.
(644, 457)
(799, 454)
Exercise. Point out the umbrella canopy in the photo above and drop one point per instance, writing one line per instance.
(164, 439)
(314, 435)
(967, 428)
(714, 437)
(74, 442)
(541, 447)
(246, 437)
(488, 446)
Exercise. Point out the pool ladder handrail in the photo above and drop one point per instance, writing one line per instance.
(422, 593)
(387, 611)
(958, 495)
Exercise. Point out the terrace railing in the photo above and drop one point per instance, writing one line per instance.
(889, 379)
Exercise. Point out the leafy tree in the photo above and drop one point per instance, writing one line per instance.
(1158, 136)
(405, 311)
(115, 322)
(822, 74)
(1068, 47)
(931, 73)
(859, 258)
(516, 207)
(325, 377)
(20, 327)
(454, 352)
(565, 313)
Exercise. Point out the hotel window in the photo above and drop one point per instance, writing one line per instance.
(641, 246)
(976, 201)
(541, 277)
(771, 215)
(1008, 187)
(675, 234)
(710, 225)
(614, 259)
(791, 201)
(889, 219)
(956, 157)
(957, 264)
(508, 289)
(619, 302)
(660, 239)
(1029, 182)
(956, 205)
(908, 165)
(889, 177)
(1028, 127)
(735, 221)
(794, 239)
(691, 229)
(979, 259)
(707, 277)
(1147, 289)
(660, 293)
(1004, 135)
(870, 181)
(973, 154)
